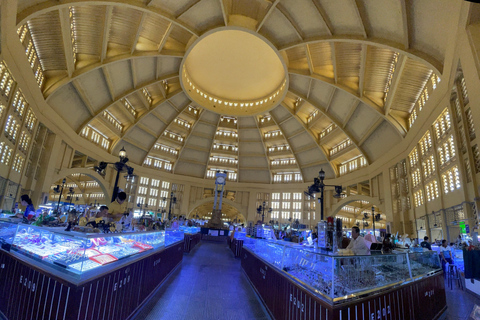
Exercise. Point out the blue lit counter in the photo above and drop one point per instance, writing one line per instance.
(53, 274)
(189, 235)
(295, 282)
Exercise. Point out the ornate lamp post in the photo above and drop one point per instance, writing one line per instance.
(61, 191)
(173, 200)
(318, 186)
(120, 166)
(261, 209)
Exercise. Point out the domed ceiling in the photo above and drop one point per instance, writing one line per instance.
(269, 91)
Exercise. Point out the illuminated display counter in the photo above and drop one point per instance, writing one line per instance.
(54, 274)
(313, 285)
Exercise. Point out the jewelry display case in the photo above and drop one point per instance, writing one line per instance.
(7, 233)
(344, 283)
(80, 252)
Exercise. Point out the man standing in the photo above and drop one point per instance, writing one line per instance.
(426, 244)
(357, 244)
(117, 208)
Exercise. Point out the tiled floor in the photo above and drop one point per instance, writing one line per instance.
(209, 284)
(460, 303)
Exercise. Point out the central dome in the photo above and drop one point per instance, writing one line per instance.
(234, 72)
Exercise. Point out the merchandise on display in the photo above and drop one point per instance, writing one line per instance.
(336, 277)
(80, 252)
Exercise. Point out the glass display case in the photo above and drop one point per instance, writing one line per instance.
(7, 233)
(173, 235)
(80, 252)
(341, 277)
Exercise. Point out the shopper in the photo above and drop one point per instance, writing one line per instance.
(118, 207)
(445, 255)
(357, 244)
(103, 212)
(30, 209)
(426, 244)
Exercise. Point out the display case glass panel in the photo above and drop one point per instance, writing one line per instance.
(78, 252)
(422, 263)
(7, 233)
(173, 235)
(342, 277)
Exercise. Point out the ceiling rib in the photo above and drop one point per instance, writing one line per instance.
(79, 72)
(309, 60)
(167, 124)
(139, 29)
(402, 61)
(337, 123)
(47, 6)
(140, 117)
(193, 4)
(400, 129)
(211, 147)
(123, 95)
(288, 142)
(287, 16)
(363, 64)
(354, 106)
(262, 137)
(370, 131)
(106, 32)
(83, 97)
(426, 59)
(67, 40)
(334, 62)
(312, 134)
(224, 12)
(269, 12)
(108, 81)
(323, 14)
(405, 22)
(133, 70)
(359, 10)
(165, 37)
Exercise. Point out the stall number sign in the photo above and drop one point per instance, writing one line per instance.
(27, 283)
(264, 272)
(297, 303)
(379, 313)
(123, 281)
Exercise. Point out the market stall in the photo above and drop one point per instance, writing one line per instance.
(311, 285)
(50, 273)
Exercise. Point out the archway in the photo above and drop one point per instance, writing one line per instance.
(87, 185)
(366, 203)
(230, 209)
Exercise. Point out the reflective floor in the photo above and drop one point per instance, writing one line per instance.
(209, 284)
(460, 303)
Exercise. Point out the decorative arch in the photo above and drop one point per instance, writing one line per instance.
(211, 199)
(374, 201)
(88, 172)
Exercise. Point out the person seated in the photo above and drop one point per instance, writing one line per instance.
(387, 244)
(358, 245)
(425, 244)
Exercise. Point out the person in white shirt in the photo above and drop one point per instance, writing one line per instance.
(357, 244)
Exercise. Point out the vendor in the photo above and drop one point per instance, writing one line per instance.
(358, 245)
(30, 209)
(117, 208)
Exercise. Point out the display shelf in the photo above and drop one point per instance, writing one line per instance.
(78, 252)
(338, 284)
